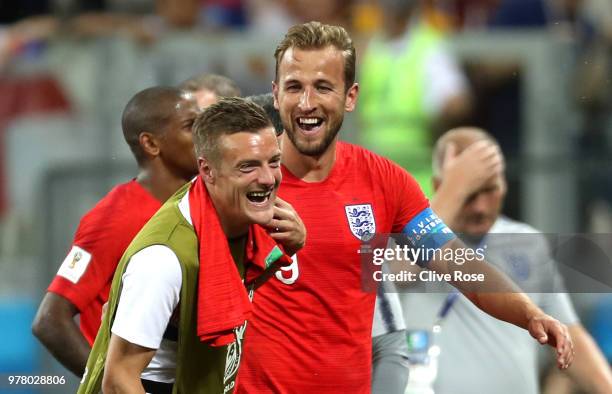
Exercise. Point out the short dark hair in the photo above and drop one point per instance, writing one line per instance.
(316, 35)
(218, 84)
(228, 116)
(150, 110)
(266, 101)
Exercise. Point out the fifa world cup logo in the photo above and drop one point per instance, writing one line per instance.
(75, 260)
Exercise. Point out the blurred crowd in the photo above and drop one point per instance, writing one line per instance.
(473, 92)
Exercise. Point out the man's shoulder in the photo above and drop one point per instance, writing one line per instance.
(518, 240)
(167, 227)
(364, 160)
(505, 225)
(123, 203)
(118, 215)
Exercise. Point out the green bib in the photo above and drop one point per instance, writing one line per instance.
(394, 121)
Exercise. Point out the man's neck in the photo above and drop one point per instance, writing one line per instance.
(308, 168)
(159, 181)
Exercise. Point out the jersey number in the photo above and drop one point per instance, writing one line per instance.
(289, 274)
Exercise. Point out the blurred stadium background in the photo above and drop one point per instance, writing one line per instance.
(538, 75)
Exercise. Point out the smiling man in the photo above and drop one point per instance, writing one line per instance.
(178, 307)
(311, 330)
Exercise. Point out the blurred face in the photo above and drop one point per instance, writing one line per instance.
(205, 98)
(310, 96)
(176, 144)
(482, 208)
(244, 182)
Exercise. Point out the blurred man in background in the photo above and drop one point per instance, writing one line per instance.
(412, 87)
(478, 353)
(208, 88)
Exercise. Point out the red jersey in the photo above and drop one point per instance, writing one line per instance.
(104, 233)
(312, 325)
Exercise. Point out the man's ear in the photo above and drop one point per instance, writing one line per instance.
(149, 143)
(206, 170)
(351, 98)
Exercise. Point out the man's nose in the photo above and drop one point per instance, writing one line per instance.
(306, 101)
(480, 203)
(266, 176)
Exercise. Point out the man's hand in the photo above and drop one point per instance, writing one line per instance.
(473, 167)
(462, 175)
(547, 330)
(287, 227)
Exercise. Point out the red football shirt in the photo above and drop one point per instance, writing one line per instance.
(313, 333)
(104, 233)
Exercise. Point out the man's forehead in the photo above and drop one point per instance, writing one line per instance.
(463, 141)
(205, 97)
(321, 60)
(249, 140)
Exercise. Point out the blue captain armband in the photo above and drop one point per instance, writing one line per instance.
(428, 232)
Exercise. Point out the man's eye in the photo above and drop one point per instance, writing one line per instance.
(275, 163)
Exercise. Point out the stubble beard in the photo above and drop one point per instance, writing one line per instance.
(310, 149)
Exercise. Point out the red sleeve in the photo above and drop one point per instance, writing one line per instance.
(91, 262)
(408, 198)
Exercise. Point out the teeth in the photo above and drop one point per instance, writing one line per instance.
(259, 194)
(309, 120)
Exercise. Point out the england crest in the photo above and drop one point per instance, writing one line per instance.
(361, 221)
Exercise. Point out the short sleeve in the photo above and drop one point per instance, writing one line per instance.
(413, 215)
(151, 286)
(90, 264)
(408, 200)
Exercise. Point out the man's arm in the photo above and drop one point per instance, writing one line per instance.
(590, 368)
(150, 293)
(499, 297)
(55, 328)
(124, 364)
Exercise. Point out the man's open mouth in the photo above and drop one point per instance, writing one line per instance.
(259, 197)
(309, 124)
